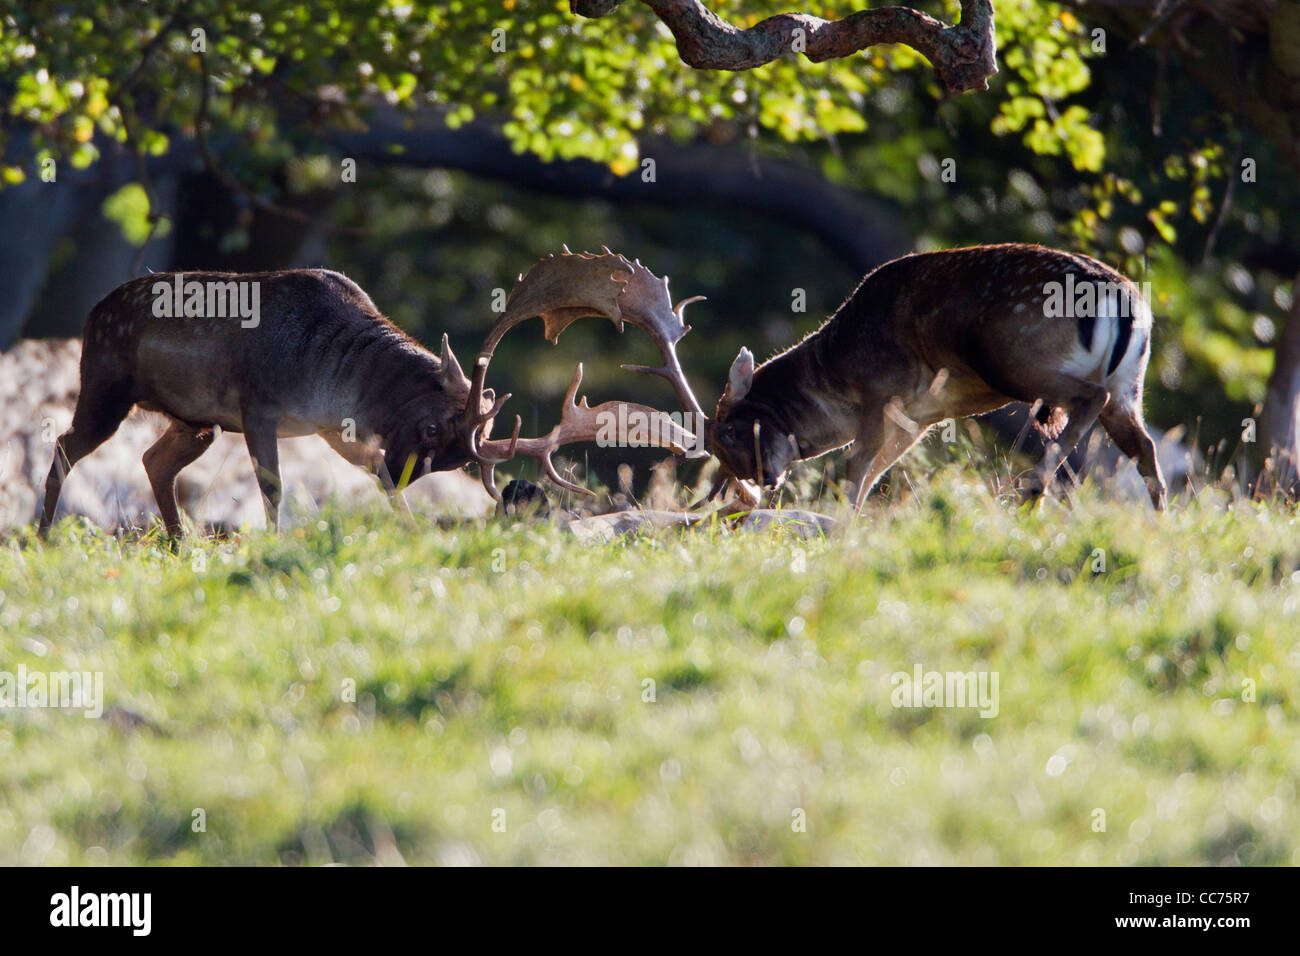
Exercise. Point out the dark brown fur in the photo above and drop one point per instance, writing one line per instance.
(322, 360)
(943, 335)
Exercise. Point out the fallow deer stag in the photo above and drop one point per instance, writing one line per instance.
(942, 335)
(311, 356)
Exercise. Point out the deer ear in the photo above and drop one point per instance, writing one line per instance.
(741, 376)
(452, 375)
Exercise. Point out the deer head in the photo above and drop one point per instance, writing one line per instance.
(745, 449)
(424, 435)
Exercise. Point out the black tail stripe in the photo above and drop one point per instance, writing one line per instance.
(1086, 325)
(1123, 331)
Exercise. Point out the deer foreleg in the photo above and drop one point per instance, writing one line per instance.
(263, 449)
(880, 445)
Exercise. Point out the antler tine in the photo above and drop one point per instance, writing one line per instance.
(571, 428)
(568, 431)
(483, 458)
(680, 308)
(562, 289)
(580, 422)
(474, 419)
(487, 475)
(647, 304)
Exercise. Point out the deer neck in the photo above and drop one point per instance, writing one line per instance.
(792, 392)
(387, 378)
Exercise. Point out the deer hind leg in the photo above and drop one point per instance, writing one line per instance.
(1124, 424)
(98, 414)
(880, 445)
(263, 448)
(1083, 401)
(179, 446)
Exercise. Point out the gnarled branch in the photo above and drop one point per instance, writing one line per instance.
(964, 55)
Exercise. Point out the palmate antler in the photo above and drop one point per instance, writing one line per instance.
(562, 289)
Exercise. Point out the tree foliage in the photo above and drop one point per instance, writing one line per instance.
(561, 86)
(1082, 140)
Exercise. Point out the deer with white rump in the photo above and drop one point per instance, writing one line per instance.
(943, 335)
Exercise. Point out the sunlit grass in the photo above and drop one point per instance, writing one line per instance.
(503, 676)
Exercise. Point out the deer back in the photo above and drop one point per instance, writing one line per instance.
(306, 346)
(953, 333)
(964, 311)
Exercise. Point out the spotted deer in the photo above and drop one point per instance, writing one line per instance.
(942, 335)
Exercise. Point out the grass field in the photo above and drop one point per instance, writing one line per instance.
(502, 709)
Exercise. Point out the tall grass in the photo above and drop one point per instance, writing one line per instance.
(362, 691)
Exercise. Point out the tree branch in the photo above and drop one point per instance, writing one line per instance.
(964, 55)
(146, 53)
(859, 231)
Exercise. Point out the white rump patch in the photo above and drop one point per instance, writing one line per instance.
(1091, 363)
(1132, 366)
(1114, 305)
